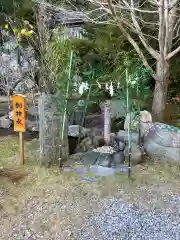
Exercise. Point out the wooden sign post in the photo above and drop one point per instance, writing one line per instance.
(19, 116)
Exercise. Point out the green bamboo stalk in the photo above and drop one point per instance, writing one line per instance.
(129, 123)
(139, 110)
(66, 103)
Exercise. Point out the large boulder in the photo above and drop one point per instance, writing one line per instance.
(138, 121)
(123, 136)
(162, 141)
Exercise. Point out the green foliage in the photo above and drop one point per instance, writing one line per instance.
(60, 73)
(57, 60)
(20, 34)
(101, 57)
(106, 54)
(17, 9)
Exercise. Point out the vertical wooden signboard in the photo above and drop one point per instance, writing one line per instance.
(19, 116)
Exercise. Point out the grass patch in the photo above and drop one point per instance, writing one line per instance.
(9, 147)
(148, 173)
(151, 177)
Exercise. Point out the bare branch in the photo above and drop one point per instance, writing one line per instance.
(154, 2)
(135, 9)
(166, 20)
(173, 3)
(138, 50)
(161, 35)
(168, 25)
(132, 41)
(152, 52)
(173, 53)
(172, 19)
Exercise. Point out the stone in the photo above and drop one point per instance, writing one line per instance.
(74, 131)
(123, 136)
(119, 157)
(5, 122)
(115, 146)
(77, 130)
(161, 153)
(97, 141)
(33, 111)
(162, 141)
(81, 169)
(89, 158)
(121, 145)
(77, 117)
(136, 120)
(136, 153)
(76, 157)
(164, 135)
(24, 86)
(85, 145)
(102, 171)
(96, 132)
(112, 138)
(104, 159)
(32, 126)
(94, 120)
(121, 168)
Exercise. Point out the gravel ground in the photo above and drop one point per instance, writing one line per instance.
(51, 217)
(120, 220)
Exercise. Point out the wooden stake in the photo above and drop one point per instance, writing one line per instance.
(21, 144)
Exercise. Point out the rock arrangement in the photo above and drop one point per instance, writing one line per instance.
(159, 141)
(114, 155)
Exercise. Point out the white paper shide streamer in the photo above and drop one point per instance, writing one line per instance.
(83, 87)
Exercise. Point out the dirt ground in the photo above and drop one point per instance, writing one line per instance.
(35, 200)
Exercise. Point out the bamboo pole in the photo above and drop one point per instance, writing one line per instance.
(66, 103)
(129, 123)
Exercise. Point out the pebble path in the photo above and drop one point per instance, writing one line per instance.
(120, 220)
(116, 220)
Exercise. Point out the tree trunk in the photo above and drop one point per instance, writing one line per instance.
(160, 91)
